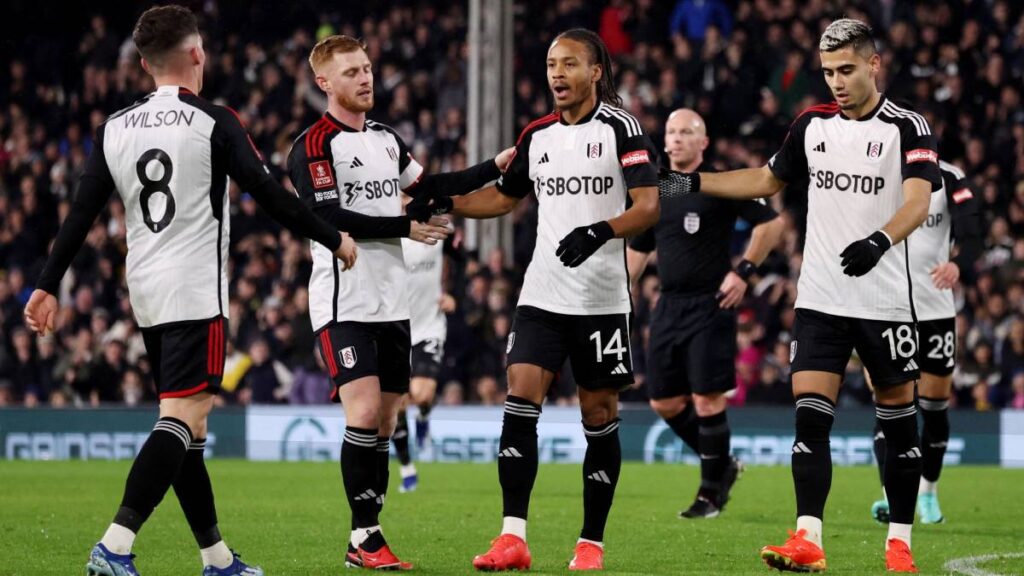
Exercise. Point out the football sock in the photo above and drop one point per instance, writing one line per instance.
(879, 445)
(217, 555)
(903, 459)
(118, 539)
(359, 475)
(598, 544)
(899, 532)
(601, 466)
(401, 439)
(934, 438)
(812, 456)
(364, 537)
(383, 472)
(195, 494)
(714, 454)
(152, 473)
(514, 526)
(812, 528)
(517, 455)
(685, 426)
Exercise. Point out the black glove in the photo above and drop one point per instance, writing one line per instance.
(672, 183)
(582, 242)
(422, 208)
(861, 256)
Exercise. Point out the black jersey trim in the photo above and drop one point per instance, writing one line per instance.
(123, 111)
(874, 111)
(337, 289)
(910, 285)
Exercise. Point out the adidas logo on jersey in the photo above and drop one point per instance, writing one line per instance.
(911, 366)
(509, 453)
(620, 369)
(356, 162)
(820, 147)
(600, 476)
(544, 159)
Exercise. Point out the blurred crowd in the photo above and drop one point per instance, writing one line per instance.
(747, 66)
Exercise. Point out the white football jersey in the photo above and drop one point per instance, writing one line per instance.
(580, 174)
(856, 170)
(425, 265)
(169, 157)
(930, 245)
(362, 171)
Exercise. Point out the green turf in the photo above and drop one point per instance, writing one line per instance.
(292, 519)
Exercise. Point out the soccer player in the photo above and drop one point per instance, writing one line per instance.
(170, 157)
(584, 163)
(361, 318)
(428, 327)
(872, 166)
(692, 349)
(953, 215)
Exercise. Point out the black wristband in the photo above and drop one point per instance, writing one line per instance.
(745, 269)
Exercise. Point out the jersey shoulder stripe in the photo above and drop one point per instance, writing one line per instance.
(952, 169)
(817, 111)
(127, 109)
(537, 125)
(893, 111)
(611, 114)
(316, 134)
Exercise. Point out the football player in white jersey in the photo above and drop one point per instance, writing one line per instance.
(872, 167)
(584, 163)
(361, 318)
(953, 215)
(428, 327)
(170, 157)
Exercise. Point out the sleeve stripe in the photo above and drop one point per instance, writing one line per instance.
(919, 122)
(953, 169)
(630, 123)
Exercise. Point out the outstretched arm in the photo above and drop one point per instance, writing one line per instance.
(487, 203)
(744, 184)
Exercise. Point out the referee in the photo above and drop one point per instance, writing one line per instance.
(692, 347)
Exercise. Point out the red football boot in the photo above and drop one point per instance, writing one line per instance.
(588, 557)
(898, 557)
(798, 554)
(508, 552)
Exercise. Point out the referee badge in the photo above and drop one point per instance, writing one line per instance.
(691, 223)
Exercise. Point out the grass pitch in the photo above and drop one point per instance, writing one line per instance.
(292, 519)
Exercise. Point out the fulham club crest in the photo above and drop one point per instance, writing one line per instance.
(594, 149)
(874, 149)
(348, 356)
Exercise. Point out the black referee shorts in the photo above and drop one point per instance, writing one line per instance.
(824, 342)
(692, 347)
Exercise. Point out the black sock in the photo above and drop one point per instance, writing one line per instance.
(903, 459)
(934, 435)
(685, 426)
(359, 474)
(880, 451)
(153, 472)
(812, 454)
(401, 439)
(383, 472)
(517, 455)
(601, 467)
(714, 454)
(195, 494)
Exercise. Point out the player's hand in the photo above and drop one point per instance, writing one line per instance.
(946, 275)
(430, 232)
(861, 256)
(731, 292)
(447, 303)
(672, 183)
(346, 252)
(504, 158)
(41, 312)
(421, 209)
(582, 242)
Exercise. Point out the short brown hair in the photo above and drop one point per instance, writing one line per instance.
(162, 29)
(331, 45)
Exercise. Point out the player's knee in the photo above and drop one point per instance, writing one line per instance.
(600, 410)
(709, 404)
(668, 407)
(363, 415)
